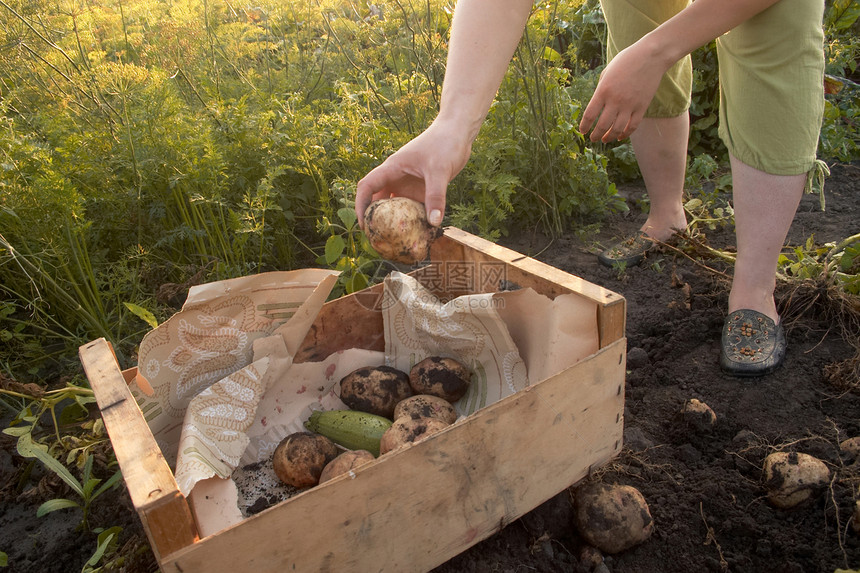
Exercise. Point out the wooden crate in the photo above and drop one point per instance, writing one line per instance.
(413, 509)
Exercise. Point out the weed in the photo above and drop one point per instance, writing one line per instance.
(348, 251)
(79, 450)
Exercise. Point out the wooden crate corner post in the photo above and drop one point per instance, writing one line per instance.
(152, 487)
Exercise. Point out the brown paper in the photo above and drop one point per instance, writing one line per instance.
(213, 337)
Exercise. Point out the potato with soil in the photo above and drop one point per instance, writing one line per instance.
(409, 431)
(375, 390)
(426, 406)
(792, 478)
(398, 230)
(300, 458)
(698, 415)
(612, 518)
(345, 462)
(440, 376)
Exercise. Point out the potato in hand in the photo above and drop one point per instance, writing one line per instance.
(398, 230)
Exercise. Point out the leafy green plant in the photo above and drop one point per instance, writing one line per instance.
(834, 263)
(74, 400)
(348, 251)
(840, 135)
(106, 546)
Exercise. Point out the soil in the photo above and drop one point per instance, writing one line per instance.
(703, 484)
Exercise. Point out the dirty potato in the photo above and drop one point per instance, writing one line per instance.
(398, 230)
(440, 376)
(345, 462)
(375, 390)
(426, 406)
(300, 458)
(409, 431)
(792, 478)
(612, 518)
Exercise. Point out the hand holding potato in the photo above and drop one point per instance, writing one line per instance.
(420, 170)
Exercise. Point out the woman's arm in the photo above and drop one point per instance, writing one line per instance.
(484, 35)
(628, 83)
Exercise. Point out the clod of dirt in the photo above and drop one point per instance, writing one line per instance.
(612, 518)
(637, 357)
(851, 447)
(698, 415)
(590, 557)
(793, 478)
(855, 518)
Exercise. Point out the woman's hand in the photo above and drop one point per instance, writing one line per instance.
(420, 170)
(624, 91)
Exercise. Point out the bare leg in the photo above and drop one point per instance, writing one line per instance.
(660, 144)
(764, 207)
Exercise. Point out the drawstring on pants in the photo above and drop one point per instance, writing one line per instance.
(815, 178)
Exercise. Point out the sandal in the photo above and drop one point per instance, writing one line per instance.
(629, 251)
(751, 344)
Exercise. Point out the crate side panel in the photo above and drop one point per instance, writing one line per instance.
(151, 485)
(415, 509)
(492, 268)
(353, 321)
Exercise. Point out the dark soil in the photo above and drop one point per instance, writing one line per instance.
(703, 485)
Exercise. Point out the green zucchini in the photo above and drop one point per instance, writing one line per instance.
(351, 429)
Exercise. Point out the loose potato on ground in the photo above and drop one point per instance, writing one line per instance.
(793, 478)
(375, 390)
(440, 376)
(398, 230)
(345, 462)
(426, 406)
(300, 458)
(409, 431)
(698, 415)
(612, 518)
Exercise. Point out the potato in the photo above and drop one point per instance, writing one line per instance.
(398, 230)
(375, 390)
(345, 462)
(426, 406)
(612, 518)
(440, 376)
(300, 458)
(792, 478)
(698, 415)
(409, 431)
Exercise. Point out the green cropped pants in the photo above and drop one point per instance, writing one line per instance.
(771, 78)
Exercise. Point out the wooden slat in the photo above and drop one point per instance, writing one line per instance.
(162, 508)
(457, 245)
(353, 321)
(414, 509)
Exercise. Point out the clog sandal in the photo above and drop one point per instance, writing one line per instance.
(751, 344)
(629, 251)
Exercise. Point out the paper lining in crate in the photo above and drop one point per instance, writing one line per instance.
(220, 389)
